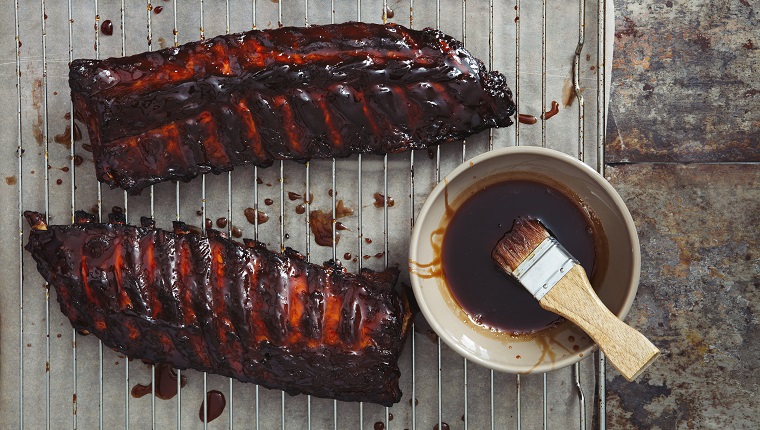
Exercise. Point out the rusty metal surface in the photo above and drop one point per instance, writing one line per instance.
(698, 299)
(686, 87)
(686, 81)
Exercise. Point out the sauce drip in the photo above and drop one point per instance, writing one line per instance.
(166, 383)
(551, 112)
(527, 119)
(64, 138)
(140, 390)
(253, 216)
(381, 199)
(221, 222)
(491, 298)
(107, 27)
(342, 210)
(293, 196)
(216, 403)
(320, 224)
(236, 232)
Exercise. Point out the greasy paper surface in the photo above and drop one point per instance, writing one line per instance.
(44, 102)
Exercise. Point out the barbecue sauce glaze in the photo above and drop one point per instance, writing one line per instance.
(491, 298)
(281, 94)
(229, 308)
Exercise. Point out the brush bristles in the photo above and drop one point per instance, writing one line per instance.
(518, 243)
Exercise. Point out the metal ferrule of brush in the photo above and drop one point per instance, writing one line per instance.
(544, 267)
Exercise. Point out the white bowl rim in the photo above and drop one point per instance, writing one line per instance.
(414, 244)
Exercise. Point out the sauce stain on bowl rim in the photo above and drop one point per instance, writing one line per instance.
(542, 350)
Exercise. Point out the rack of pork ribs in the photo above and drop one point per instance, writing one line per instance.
(200, 300)
(282, 94)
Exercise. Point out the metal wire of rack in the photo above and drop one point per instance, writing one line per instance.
(75, 380)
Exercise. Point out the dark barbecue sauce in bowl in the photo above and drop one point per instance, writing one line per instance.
(491, 298)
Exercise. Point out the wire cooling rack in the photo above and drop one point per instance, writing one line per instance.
(52, 377)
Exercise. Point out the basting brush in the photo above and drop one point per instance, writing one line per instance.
(530, 254)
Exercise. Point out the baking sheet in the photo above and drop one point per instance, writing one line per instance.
(68, 379)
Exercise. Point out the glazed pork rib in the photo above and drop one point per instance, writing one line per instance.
(238, 310)
(282, 94)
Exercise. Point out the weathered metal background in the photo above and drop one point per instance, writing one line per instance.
(686, 82)
(686, 89)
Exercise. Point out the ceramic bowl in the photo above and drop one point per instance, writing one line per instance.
(615, 282)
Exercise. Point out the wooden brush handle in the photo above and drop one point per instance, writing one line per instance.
(574, 298)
